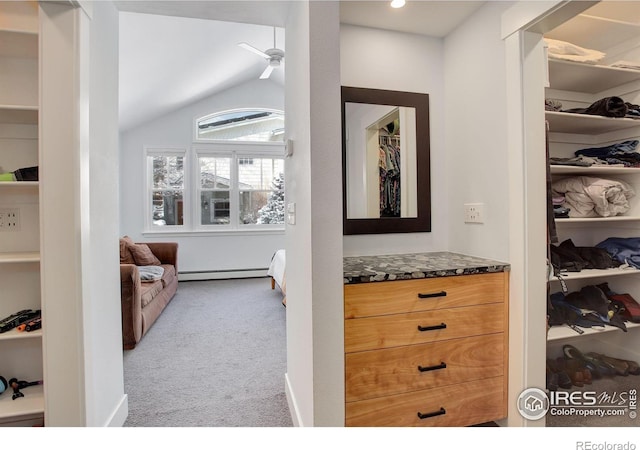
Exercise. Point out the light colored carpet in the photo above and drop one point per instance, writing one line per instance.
(216, 357)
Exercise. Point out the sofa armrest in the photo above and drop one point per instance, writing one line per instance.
(130, 297)
(166, 252)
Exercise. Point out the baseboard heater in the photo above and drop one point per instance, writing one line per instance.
(221, 274)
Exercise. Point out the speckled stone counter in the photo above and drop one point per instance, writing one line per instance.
(365, 269)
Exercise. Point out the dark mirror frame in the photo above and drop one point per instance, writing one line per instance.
(421, 223)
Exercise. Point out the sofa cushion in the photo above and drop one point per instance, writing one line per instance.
(148, 291)
(143, 255)
(125, 254)
(168, 275)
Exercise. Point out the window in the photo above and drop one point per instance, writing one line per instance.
(166, 173)
(240, 191)
(232, 178)
(246, 125)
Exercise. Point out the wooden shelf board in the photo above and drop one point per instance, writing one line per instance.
(19, 114)
(19, 257)
(588, 78)
(9, 184)
(596, 219)
(562, 122)
(557, 333)
(31, 403)
(594, 170)
(597, 273)
(14, 334)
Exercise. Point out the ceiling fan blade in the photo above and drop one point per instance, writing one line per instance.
(253, 49)
(267, 72)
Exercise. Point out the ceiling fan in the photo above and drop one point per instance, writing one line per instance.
(273, 55)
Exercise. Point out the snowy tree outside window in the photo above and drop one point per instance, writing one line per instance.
(273, 211)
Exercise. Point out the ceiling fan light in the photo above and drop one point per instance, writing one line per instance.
(397, 3)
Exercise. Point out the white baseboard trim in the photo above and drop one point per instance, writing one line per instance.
(291, 401)
(120, 414)
(221, 274)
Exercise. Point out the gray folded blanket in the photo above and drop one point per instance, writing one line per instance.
(150, 273)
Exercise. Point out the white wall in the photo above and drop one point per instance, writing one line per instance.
(79, 210)
(299, 377)
(315, 352)
(415, 64)
(106, 402)
(476, 139)
(222, 252)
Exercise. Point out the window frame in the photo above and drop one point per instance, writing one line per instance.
(198, 139)
(148, 188)
(237, 150)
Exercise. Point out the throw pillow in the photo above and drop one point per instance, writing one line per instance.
(125, 254)
(143, 255)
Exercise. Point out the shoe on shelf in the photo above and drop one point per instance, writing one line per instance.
(598, 367)
(621, 367)
(632, 367)
(571, 370)
(561, 378)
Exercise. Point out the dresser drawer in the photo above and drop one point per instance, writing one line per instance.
(452, 406)
(371, 333)
(396, 370)
(392, 297)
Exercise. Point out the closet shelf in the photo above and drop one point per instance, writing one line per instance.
(562, 122)
(19, 114)
(18, 184)
(594, 170)
(19, 257)
(596, 273)
(593, 32)
(31, 403)
(14, 334)
(588, 78)
(18, 44)
(597, 219)
(564, 332)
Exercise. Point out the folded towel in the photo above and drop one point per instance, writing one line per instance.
(571, 52)
(150, 273)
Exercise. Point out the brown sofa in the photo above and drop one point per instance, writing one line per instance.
(142, 302)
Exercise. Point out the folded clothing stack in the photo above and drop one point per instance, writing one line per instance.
(593, 197)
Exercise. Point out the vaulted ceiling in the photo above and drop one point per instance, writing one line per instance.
(173, 53)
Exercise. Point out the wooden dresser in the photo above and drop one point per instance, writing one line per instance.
(427, 352)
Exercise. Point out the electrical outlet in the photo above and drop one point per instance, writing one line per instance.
(10, 219)
(474, 213)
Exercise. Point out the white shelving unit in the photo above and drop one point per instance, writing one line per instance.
(596, 29)
(21, 354)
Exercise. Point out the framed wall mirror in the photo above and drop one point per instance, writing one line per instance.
(385, 161)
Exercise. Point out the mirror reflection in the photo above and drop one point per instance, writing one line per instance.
(380, 156)
(385, 161)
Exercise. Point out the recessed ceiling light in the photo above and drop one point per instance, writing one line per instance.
(397, 3)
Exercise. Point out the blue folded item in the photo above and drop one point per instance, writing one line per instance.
(621, 148)
(623, 250)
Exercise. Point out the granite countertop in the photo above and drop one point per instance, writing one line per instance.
(365, 269)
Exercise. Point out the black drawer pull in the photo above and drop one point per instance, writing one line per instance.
(432, 327)
(442, 365)
(431, 414)
(433, 294)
